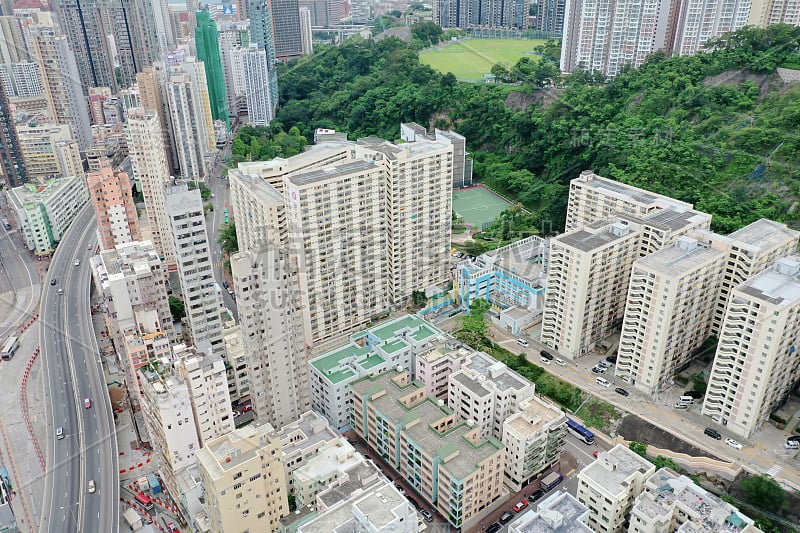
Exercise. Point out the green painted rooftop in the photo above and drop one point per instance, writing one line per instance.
(389, 329)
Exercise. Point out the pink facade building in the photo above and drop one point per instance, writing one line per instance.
(112, 197)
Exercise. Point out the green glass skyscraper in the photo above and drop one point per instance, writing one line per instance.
(207, 42)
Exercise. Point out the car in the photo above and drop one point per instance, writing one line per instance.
(733, 444)
(545, 361)
(713, 433)
(92, 487)
(603, 382)
(60, 433)
(612, 359)
(793, 438)
(792, 443)
(604, 364)
(87, 403)
(237, 414)
(172, 528)
(519, 506)
(494, 528)
(620, 390)
(596, 369)
(226, 284)
(535, 495)
(53, 281)
(696, 395)
(546, 355)
(77, 262)
(506, 518)
(88, 246)
(523, 342)
(426, 515)
(60, 290)
(561, 362)
(414, 502)
(681, 405)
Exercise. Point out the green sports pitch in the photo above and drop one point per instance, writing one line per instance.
(472, 58)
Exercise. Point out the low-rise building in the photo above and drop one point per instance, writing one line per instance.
(332, 462)
(534, 438)
(673, 503)
(44, 212)
(434, 367)
(558, 513)
(244, 483)
(388, 345)
(444, 460)
(609, 485)
(303, 439)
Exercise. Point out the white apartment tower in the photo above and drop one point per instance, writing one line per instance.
(270, 322)
(150, 168)
(670, 307)
(588, 277)
(757, 361)
(764, 13)
(203, 306)
(699, 21)
(260, 107)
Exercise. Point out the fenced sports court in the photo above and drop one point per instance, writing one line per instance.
(478, 206)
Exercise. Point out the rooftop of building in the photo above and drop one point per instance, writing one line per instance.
(305, 433)
(471, 384)
(129, 258)
(764, 234)
(230, 451)
(622, 191)
(335, 456)
(524, 258)
(559, 513)
(495, 372)
(612, 470)
(778, 284)
(534, 415)
(356, 478)
(337, 170)
(30, 194)
(596, 235)
(443, 351)
(672, 218)
(667, 490)
(684, 256)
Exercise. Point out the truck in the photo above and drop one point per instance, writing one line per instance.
(10, 346)
(133, 520)
(155, 485)
(551, 480)
(143, 483)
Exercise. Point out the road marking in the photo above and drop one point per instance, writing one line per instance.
(774, 470)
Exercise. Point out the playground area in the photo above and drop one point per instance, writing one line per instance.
(478, 206)
(470, 59)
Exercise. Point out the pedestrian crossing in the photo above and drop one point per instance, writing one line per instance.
(774, 470)
(217, 264)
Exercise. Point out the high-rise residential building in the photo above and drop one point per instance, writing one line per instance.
(462, 161)
(286, 29)
(609, 485)
(699, 21)
(14, 47)
(468, 13)
(44, 212)
(670, 308)
(550, 16)
(487, 392)
(306, 45)
(256, 70)
(235, 469)
(767, 12)
(164, 31)
(236, 357)
(149, 159)
(234, 36)
(270, 324)
(757, 361)
(588, 276)
(262, 33)
(151, 83)
(203, 304)
(208, 387)
(111, 193)
(82, 22)
(448, 464)
(62, 82)
(49, 151)
(317, 12)
(12, 164)
(22, 79)
(207, 43)
(670, 501)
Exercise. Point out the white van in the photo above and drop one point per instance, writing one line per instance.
(688, 400)
(603, 382)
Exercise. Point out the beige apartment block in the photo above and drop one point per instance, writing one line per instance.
(765, 13)
(757, 361)
(244, 481)
(141, 350)
(609, 485)
(670, 307)
(750, 249)
(236, 356)
(534, 437)
(49, 151)
(588, 276)
(434, 367)
(673, 503)
(327, 467)
(111, 194)
(487, 392)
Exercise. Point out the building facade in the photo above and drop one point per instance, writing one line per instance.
(208, 51)
(191, 118)
(111, 193)
(256, 70)
(49, 151)
(12, 163)
(262, 32)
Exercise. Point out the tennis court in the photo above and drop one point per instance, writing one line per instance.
(478, 206)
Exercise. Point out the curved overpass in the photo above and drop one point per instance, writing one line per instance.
(73, 372)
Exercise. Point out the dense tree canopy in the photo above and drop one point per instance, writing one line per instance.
(727, 143)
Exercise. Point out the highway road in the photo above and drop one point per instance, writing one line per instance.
(18, 281)
(73, 372)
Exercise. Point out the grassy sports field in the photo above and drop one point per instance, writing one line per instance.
(472, 58)
(478, 206)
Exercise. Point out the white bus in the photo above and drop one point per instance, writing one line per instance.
(11, 345)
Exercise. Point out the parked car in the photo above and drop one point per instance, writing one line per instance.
(523, 342)
(519, 506)
(603, 382)
(612, 359)
(494, 528)
(561, 362)
(680, 405)
(535, 495)
(544, 361)
(713, 433)
(60, 433)
(696, 395)
(793, 443)
(620, 390)
(733, 444)
(546, 355)
(426, 515)
(506, 518)
(604, 364)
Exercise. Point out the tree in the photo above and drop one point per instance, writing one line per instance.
(473, 327)
(764, 492)
(639, 448)
(227, 238)
(177, 308)
(665, 462)
(418, 299)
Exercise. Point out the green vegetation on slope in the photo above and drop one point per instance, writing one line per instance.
(729, 145)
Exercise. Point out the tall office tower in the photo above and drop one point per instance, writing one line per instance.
(263, 34)
(286, 28)
(256, 67)
(271, 330)
(111, 194)
(48, 151)
(162, 19)
(750, 250)
(146, 146)
(203, 306)
(335, 10)
(208, 388)
(317, 11)
(764, 13)
(244, 462)
(82, 23)
(207, 42)
(757, 362)
(701, 20)
(190, 116)
(11, 163)
(550, 17)
(62, 83)
(671, 300)
(306, 45)
(586, 284)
